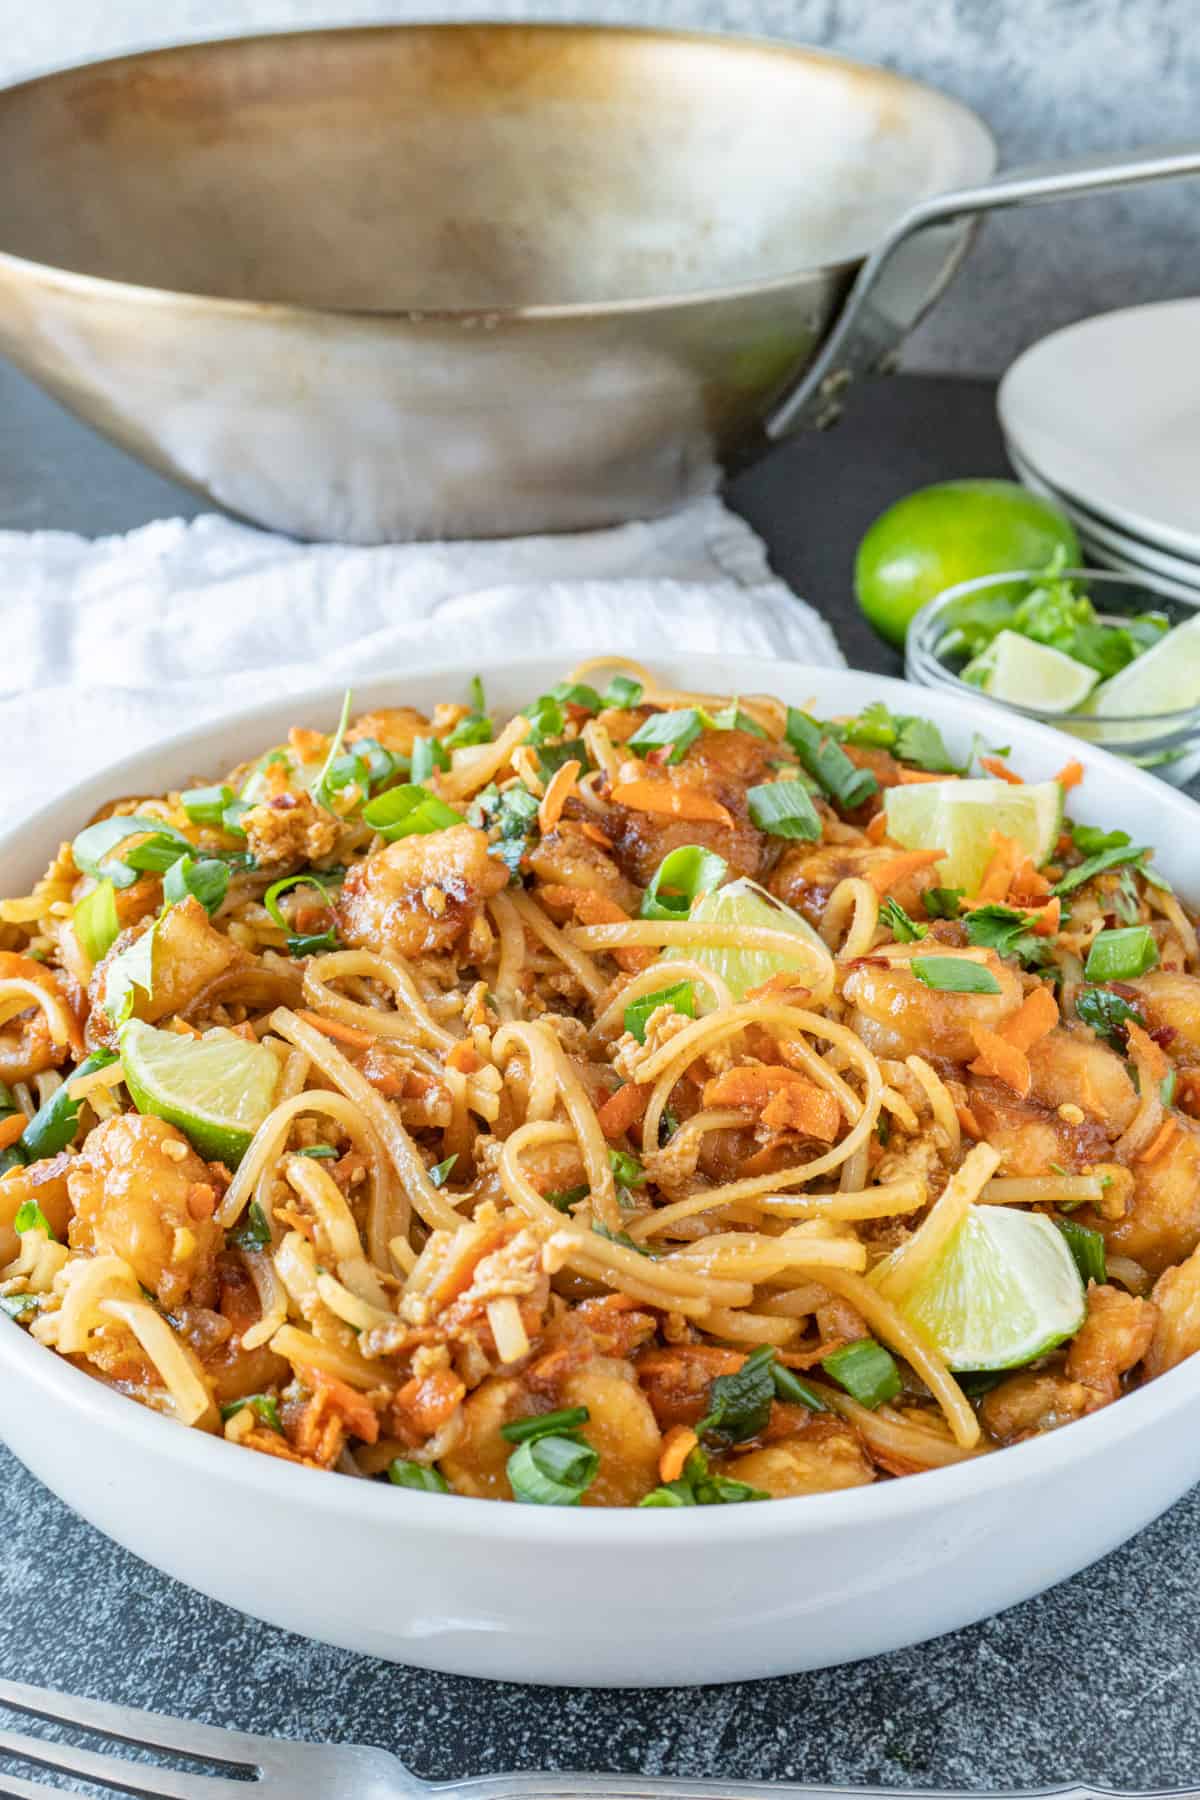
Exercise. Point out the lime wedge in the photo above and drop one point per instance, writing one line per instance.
(1021, 672)
(1165, 678)
(1004, 1290)
(743, 902)
(217, 1089)
(960, 816)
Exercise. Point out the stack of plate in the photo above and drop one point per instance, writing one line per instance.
(1104, 419)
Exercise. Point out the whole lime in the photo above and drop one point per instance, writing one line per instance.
(948, 533)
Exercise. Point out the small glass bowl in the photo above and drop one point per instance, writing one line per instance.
(1168, 743)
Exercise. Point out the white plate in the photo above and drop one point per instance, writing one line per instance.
(1103, 541)
(594, 1597)
(1109, 411)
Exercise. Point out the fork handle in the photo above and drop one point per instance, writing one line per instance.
(570, 1786)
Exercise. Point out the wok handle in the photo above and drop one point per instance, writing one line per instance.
(884, 304)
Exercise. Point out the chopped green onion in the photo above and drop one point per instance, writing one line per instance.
(321, 791)
(1121, 955)
(30, 1217)
(675, 1493)
(942, 902)
(474, 729)
(1087, 1247)
(475, 690)
(681, 997)
(440, 1172)
(621, 1237)
(53, 1127)
(562, 1198)
(513, 813)
(552, 1471)
(698, 1486)
(264, 1406)
(739, 1405)
(866, 1370)
(92, 849)
(627, 1169)
(828, 763)
(427, 754)
(680, 879)
(305, 943)
(546, 719)
(524, 1431)
(206, 881)
(131, 969)
(206, 805)
(422, 1477)
(904, 929)
(1099, 865)
(676, 730)
(577, 693)
(255, 1234)
(954, 975)
(96, 923)
(622, 692)
(319, 1152)
(784, 809)
(17, 1305)
(1166, 1087)
(732, 718)
(407, 809)
(788, 1386)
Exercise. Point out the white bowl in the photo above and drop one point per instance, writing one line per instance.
(594, 1597)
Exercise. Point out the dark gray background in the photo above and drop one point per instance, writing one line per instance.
(1096, 1679)
(1052, 77)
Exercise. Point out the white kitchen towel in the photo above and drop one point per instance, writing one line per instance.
(108, 644)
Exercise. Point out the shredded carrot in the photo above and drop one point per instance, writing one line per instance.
(332, 1028)
(1151, 1057)
(671, 798)
(11, 1129)
(624, 1109)
(594, 832)
(1070, 775)
(678, 1445)
(897, 868)
(1028, 885)
(877, 829)
(556, 796)
(968, 1121)
(1001, 1059)
(1063, 843)
(463, 1057)
(1000, 770)
(591, 908)
(1006, 858)
(1048, 918)
(1036, 1015)
(181, 1028)
(244, 1030)
(1159, 1141)
(785, 1099)
(910, 777)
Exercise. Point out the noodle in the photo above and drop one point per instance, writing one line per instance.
(418, 1162)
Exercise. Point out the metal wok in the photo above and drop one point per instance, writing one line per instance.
(468, 280)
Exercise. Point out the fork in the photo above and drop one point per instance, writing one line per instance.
(268, 1768)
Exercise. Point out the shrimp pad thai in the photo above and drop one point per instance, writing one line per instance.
(650, 1099)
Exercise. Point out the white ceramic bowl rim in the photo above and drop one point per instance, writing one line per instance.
(68, 1389)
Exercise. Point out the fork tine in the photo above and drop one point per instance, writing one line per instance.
(15, 1787)
(156, 1730)
(118, 1772)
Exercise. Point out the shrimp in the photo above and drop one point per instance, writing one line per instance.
(140, 1191)
(421, 894)
(1171, 1002)
(188, 954)
(807, 875)
(1162, 1225)
(725, 765)
(1176, 1303)
(824, 1458)
(896, 1015)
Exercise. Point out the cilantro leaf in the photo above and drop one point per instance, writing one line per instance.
(942, 902)
(1008, 932)
(1107, 1014)
(904, 929)
(739, 1405)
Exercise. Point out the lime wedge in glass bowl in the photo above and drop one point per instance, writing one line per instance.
(1020, 672)
(959, 817)
(217, 1089)
(743, 902)
(1004, 1290)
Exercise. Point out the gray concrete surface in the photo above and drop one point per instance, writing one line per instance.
(1052, 76)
